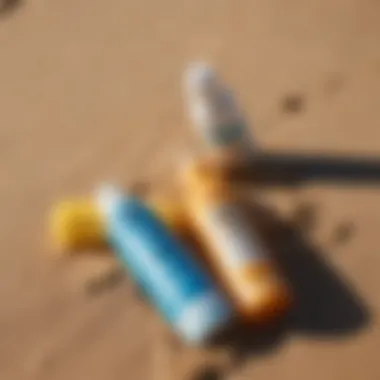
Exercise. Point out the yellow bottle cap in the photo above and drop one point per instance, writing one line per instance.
(77, 224)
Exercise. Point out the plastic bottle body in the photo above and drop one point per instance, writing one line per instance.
(214, 111)
(234, 249)
(179, 287)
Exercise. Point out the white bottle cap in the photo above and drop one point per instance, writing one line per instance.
(108, 197)
(200, 79)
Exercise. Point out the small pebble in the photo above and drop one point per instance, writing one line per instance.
(343, 232)
(293, 103)
(102, 283)
(305, 216)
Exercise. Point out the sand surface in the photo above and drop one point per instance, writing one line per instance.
(90, 90)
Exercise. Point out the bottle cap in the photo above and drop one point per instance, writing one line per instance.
(200, 79)
(76, 224)
(108, 196)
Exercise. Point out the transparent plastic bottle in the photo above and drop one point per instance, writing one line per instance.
(214, 112)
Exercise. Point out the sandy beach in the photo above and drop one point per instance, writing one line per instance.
(91, 91)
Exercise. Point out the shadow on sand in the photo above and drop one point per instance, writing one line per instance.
(325, 305)
(289, 169)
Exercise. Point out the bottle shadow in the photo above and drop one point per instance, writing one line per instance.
(325, 306)
(289, 169)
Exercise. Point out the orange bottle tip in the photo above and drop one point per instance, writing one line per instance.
(274, 303)
(269, 296)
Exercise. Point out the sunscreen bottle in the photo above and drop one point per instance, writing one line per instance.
(234, 250)
(165, 269)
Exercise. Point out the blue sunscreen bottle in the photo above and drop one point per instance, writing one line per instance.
(175, 282)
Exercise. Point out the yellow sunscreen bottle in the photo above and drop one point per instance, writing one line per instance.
(234, 250)
(77, 224)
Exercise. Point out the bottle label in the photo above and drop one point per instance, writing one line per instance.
(232, 236)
